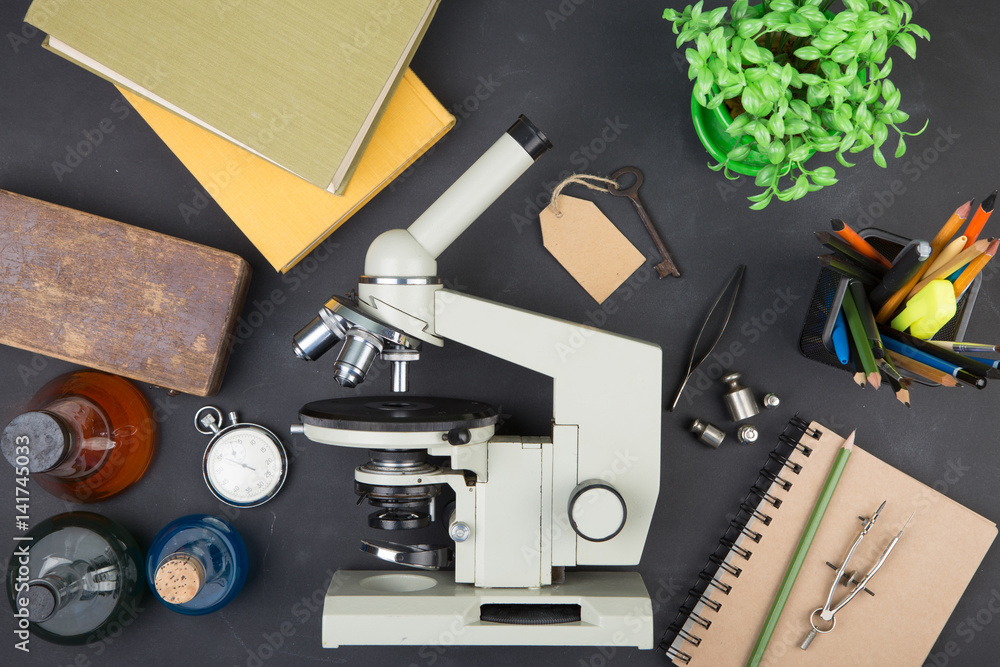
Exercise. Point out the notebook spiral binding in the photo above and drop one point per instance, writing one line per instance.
(754, 506)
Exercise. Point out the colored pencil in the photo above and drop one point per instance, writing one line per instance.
(900, 385)
(937, 245)
(962, 347)
(840, 345)
(975, 227)
(949, 253)
(849, 270)
(908, 262)
(837, 244)
(974, 267)
(923, 370)
(860, 339)
(844, 231)
(989, 362)
(960, 260)
(867, 318)
(953, 358)
(957, 372)
(799, 557)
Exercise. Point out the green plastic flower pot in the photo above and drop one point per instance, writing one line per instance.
(710, 126)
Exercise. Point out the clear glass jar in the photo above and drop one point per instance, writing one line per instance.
(80, 574)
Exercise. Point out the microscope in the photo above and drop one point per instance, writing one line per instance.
(527, 511)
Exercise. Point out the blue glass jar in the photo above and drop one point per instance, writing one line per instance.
(197, 564)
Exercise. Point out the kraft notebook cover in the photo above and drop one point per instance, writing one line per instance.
(301, 82)
(282, 215)
(916, 589)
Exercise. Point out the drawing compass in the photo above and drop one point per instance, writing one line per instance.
(244, 464)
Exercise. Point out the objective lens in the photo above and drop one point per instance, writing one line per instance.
(315, 339)
(360, 350)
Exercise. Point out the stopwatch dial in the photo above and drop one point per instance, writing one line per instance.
(245, 466)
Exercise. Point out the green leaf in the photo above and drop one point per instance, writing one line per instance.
(753, 101)
(884, 72)
(765, 175)
(808, 53)
(777, 126)
(832, 34)
(878, 157)
(763, 137)
(750, 28)
(739, 152)
(696, 9)
(824, 176)
(738, 125)
(906, 42)
(843, 53)
(704, 46)
(799, 30)
(782, 6)
(795, 126)
(770, 88)
(715, 16)
(776, 152)
(812, 14)
(855, 5)
(761, 205)
(901, 147)
(800, 108)
(919, 32)
(879, 133)
(739, 9)
(842, 160)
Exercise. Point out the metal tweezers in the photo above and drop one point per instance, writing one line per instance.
(692, 366)
(827, 613)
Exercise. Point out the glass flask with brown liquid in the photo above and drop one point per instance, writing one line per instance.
(85, 436)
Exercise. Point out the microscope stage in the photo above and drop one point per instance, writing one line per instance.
(398, 414)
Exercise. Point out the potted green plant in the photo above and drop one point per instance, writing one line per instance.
(784, 79)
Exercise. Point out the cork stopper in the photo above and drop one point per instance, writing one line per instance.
(179, 578)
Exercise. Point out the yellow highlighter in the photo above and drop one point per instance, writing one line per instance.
(928, 311)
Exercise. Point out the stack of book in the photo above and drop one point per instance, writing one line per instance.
(291, 115)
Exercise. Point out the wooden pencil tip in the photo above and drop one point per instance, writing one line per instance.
(903, 396)
(875, 379)
(963, 210)
(992, 248)
(838, 225)
(849, 442)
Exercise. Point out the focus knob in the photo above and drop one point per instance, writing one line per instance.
(596, 510)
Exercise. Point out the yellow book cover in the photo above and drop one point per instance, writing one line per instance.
(281, 214)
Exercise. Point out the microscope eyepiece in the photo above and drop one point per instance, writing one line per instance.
(532, 140)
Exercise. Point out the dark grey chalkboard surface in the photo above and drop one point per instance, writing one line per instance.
(604, 80)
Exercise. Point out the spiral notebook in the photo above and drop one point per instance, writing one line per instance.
(915, 591)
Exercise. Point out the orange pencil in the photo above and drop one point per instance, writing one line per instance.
(974, 267)
(952, 265)
(924, 371)
(855, 241)
(975, 227)
(937, 245)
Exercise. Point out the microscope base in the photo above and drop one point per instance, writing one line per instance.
(385, 607)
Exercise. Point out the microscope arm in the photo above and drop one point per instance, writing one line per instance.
(606, 391)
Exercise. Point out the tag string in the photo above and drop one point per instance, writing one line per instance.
(585, 180)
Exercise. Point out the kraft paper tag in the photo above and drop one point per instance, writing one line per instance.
(589, 246)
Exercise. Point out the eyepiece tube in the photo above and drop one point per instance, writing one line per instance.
(479, 187)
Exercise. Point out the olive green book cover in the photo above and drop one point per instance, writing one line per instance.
(301, 83)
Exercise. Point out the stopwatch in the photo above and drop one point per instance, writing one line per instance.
(245, 464)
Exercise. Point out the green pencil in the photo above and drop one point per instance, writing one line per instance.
(857, 329)
(800, 552)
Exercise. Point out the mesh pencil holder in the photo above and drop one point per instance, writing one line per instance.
(811, 343)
